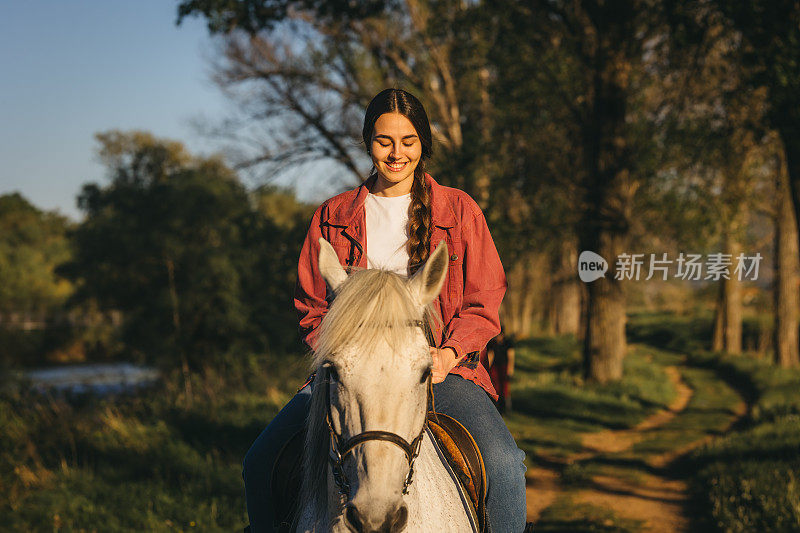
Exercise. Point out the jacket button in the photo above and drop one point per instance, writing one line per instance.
(453, 257)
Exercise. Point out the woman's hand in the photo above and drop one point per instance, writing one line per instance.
(444, 359)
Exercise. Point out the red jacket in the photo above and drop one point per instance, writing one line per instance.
(470, 299)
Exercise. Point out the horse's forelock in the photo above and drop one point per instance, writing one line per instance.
(371, 307)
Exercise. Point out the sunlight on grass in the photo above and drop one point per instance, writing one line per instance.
(553, 406)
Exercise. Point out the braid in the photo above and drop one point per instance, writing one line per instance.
(419, 221)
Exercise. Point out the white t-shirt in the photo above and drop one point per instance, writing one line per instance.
(387, 232)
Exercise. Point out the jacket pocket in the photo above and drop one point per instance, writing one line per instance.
(455, 273)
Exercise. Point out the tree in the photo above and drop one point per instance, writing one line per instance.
(762, 39)
(726, 144)
(308, 72)
(771, 33)
(599, 89)
(786, 293)
(309, 84)
(173, 243)
(550, 113)
(32, 243)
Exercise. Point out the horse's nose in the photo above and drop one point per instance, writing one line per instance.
(397, 520)
(394, 522)
(353, 518)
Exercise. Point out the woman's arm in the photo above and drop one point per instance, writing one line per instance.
(310, 290)
(478, 319)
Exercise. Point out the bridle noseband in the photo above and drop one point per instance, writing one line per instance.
(340, 450)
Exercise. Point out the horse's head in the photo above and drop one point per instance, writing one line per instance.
(374, 353)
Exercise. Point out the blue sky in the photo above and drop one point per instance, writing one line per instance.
(71, 69)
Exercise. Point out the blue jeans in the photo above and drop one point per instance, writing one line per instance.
(455, 396)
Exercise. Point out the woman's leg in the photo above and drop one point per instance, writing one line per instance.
(505, 471)
(260, 458)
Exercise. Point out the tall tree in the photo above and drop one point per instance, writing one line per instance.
(547, 112)
(311, 70)
(598, 86)
(729, 145)
(786, 292)
(771, 32)
(162, 242)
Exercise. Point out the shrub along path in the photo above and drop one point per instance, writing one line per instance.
(627, 477)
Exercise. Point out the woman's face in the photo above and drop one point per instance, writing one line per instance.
(396, 151)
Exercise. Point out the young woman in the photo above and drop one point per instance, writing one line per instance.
(393, 221)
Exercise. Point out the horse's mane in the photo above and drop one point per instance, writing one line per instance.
(370, 307)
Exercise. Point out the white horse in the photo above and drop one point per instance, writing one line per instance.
(369, 463)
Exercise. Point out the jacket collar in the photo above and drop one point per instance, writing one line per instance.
(351, 205)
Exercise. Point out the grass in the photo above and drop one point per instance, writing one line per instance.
(158, 462)
(709, 412)
(152, 462)
(749, 478)
(553, 407)
(566, 516)
(567, 408)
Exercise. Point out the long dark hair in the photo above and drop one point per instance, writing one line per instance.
(419, 212)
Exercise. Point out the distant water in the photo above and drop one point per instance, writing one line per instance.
(100, 379)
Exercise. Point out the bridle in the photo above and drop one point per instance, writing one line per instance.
(340, 450)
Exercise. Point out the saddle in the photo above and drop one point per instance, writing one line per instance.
(464, 457)
(453, 439)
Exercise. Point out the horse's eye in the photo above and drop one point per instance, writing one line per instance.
(425, 375)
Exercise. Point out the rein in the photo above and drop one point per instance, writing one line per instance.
(339, 450)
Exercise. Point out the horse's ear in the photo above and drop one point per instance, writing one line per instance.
(330, 268)
(427, 282)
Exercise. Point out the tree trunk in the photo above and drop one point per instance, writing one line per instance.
(584, 314)
(609, 189)
(728, 319)
(566, 315)
(718, 343)
(510, 315)
(790, 136)
(604, 337)
(176, 323)
(787, 349)
(526, 280)
(733, 304)
(528, 307)
(482, 180)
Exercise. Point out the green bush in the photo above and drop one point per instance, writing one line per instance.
(749, 479)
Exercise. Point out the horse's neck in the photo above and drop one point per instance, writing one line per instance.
(434, 501)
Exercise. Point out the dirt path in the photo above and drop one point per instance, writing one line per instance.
(618, 441)
(644, 493)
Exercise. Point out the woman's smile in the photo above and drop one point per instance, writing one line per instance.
(396, 166)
